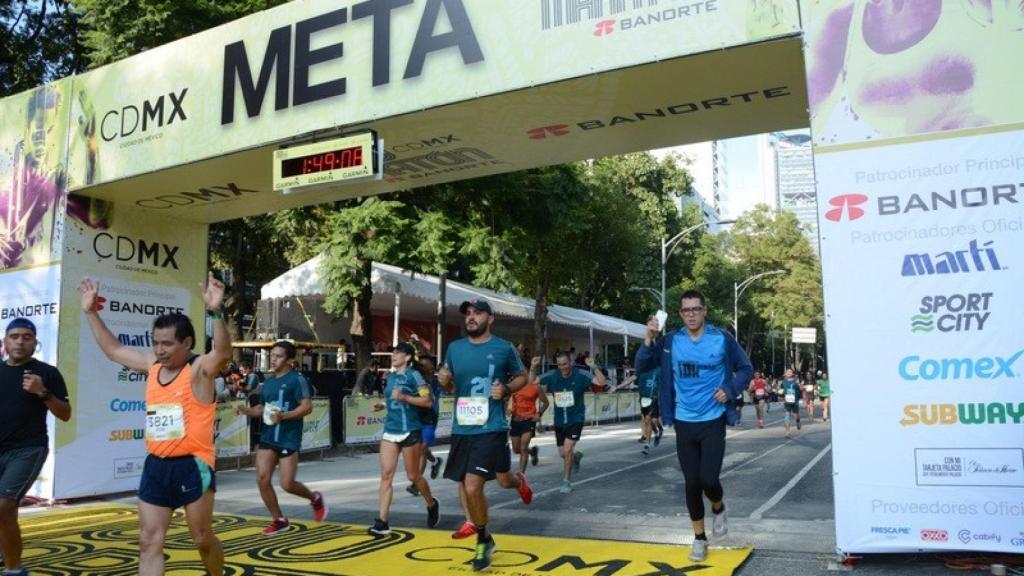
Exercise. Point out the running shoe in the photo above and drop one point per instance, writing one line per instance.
(435, 467)
(699, 551)
(19, 572)
(484, 551)
(646, 450)
(525, 492)
(534, 454)
(576, 457)
(657, 436)
(433, 513)
(412, 489)
(380, 528)
(566, 487)
(467, 530)
(319, 507)
(278, 525)
(797, 424)
(720, 525)
(642, 440)
(760, 423)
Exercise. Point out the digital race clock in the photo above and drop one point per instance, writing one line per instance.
(336, 161)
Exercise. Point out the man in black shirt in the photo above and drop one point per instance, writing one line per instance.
(28, 389)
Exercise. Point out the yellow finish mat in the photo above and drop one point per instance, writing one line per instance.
(104, 541)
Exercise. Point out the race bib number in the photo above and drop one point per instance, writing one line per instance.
(758, 392)
(646, 402)
(809, 388)
(565, 399)
(790, 398)
(164, 422)
(472, 410)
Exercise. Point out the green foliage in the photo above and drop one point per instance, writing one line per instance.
(38, 44)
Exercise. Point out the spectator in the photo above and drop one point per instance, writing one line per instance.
(368, 381)
(250, 380)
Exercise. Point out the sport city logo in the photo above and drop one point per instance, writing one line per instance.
(913, 367)
(974, 258)
(846, 204)
(967, 414)
(954, 313)
(932, 535)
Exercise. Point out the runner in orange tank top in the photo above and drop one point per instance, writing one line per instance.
(180, 410)
(523, 409)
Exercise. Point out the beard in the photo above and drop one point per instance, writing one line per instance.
(478, 331)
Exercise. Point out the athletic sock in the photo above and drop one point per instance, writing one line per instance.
(482, 535)
(701, 536)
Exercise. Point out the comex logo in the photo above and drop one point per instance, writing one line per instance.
(953, 262)
(542, 132)
(931, 535)
(846, 204)
(914, 368)
(604, 27)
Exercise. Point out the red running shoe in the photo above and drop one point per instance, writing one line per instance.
(319, 507)
(525, 492)
(278, 525)
(467, 530)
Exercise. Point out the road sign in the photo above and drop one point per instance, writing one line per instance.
(805, 335)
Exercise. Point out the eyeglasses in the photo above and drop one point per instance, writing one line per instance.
(691, 311)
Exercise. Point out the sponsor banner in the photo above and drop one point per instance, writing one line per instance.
(877, 70)
(606, 407)
(548, 418)
(363, 424)
(34, 293)
(446, 413)
(145, 267)
(590, 401)
(256, 80)
(931, 346)
(629, 404)
(232, 436)
(316, 427)
(33, 175)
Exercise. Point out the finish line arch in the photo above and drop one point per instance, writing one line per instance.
(919, 145)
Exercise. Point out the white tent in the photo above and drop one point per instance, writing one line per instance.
(423, 289)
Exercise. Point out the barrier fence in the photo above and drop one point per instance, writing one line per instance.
(234, 432)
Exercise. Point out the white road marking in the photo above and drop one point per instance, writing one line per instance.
(778, 496)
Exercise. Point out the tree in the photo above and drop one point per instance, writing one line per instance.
(38, 44)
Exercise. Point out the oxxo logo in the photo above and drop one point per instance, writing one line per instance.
(966, 414)
(913, 368)
(124, 122)
(125, 249)
(933, 535)
(953, 313)
(848, 205)
(974, 258)
(542, 132)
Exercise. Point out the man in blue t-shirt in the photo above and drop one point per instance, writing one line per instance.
(285, 400)
(650, 416)
(791, 398)
(481, 370)
(702, 370)
(568, 385)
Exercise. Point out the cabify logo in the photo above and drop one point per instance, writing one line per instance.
(950, 414)
(279, 59)
(914, 368)
(954, 262)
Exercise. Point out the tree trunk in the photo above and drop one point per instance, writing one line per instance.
(362, 321)
(540, 317)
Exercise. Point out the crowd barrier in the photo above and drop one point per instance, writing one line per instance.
(234, 434)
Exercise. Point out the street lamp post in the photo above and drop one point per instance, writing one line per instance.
(737, 291)
(668, 247)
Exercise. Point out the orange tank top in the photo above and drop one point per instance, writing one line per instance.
(178, 424)
(525, 402)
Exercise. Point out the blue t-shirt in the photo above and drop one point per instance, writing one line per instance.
(578, 383)
(475, 368)
(791, 387)
(286, 392)
(403, 417)
(698, 368)
(648, 382)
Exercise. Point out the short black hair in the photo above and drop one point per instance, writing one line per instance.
(691, 294)
(288, 347)
(181, 324)
(429, 358)
(246, 364)
(563, 353)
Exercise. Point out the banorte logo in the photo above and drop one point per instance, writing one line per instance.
(100, 301)
(847, 204)
(604, 28)
(542, 132)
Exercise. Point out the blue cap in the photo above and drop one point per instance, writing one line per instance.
(21, 323)
(477, 303)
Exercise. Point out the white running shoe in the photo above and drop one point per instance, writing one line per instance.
(699, 551)
(720, 525)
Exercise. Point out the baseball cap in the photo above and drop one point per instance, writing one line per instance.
(21, 323)
(404, 347)
(478, 303)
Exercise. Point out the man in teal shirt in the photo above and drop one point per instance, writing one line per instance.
(482, 371)
(568, 385)
(285, 400)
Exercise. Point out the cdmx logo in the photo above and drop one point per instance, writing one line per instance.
(848, 205)
(974, 258)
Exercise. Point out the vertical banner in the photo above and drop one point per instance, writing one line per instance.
(629, 405)
(548, 419)
(363, 424)
(919, 155)
(316, 427)
(444, 418)
(145, 266)
(232, 436)
(607, 407)
(590, 415)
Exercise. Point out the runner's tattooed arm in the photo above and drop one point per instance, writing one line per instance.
(108, 343)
